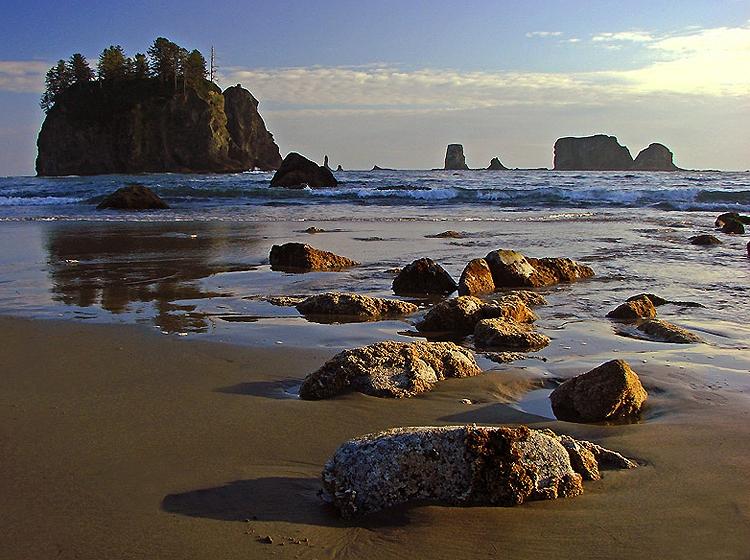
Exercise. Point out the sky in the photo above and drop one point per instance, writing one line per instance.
(393, 82)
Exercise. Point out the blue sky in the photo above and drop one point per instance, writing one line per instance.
(393, 82)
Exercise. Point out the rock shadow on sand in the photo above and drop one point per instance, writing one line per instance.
(285, 499)
(279, 389)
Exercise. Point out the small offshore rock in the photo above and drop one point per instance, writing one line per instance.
(296, 171)
(313, 229)
(496, 165)
(476, 279)
(662, 331)
(449, 234)
(423, 276)
(354, 305)
(727, 217)
(609, 392)
(455, 465)
(634, 309)
(501, 333)
(133, 197)
(733, 227)
(704, 240)
(389, 369)
(301, 257)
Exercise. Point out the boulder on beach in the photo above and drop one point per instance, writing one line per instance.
(512, 269)
(611, 391)
(423, 276)
(704, 239)
(656, 157)
(301, 257)
(476, 279)
(634, 309)
(296, 171)
(495, 165)
(133, 197)
(389, 369)
(662, 331)
(508, 334)
(454, 157)
(591, 153)
(460, 465)
(354, 305)
(460, 315)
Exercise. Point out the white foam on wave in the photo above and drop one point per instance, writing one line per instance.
(38, 200)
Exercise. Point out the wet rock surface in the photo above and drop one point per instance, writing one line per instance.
(296, 171)
(508, 334)
(704, 240)
(461, 314)
(448, 234)
(301, 257)
(512, 269)
(456, 465)
(663, 331)
(634, 309)
(611, 391)
(133, 197)
(389, 369)
(354, 305)
(476, 279)
(423, 276)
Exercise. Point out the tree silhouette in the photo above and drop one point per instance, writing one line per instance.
(195, 68)
(112, 64)
(57, 80)
(79, 69)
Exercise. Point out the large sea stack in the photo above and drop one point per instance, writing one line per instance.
(591, 153)
(656, 157)
(146, 125)
(454, 157)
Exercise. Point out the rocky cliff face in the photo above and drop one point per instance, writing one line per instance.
(144, 126)
(656, 157)
(454, 157)
(591, 153)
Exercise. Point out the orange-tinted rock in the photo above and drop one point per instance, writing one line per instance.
(476, 279)
(423, 276)
(512, 269)
(632, 310)
(301, 257)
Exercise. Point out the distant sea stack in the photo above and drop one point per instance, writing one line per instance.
(454, 157)
(604, 153)
(656, 157)
(155, 113)
(495, 165)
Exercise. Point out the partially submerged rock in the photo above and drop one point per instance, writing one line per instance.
(461, 314)
(389, 369)
(512, 269)
(301, 257)
(611, 391)
(727, 217)
(423, 276)
(133, 197)
(458, 465)
(634, 309)
(662, 331)
(448, 234)
(733, 226)
(656, 300)
(502, 333)
(296, 171)
(313, 230)
(476, 279)
(704, 240)
(354, 305)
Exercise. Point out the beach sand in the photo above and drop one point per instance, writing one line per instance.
(117, 442)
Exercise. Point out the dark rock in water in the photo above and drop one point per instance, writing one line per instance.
(460, 465)
(731, 217)
(449, 234)
(313, 230)
(423, 276)
(354, 305)
(495, 165)
(339, 168)
(591, 153)
(662, 331)
(377, 168)
(476, 279)
(508, 334)
(133, 197)
(454, 157)
(655, 300)
(656, 157)
(325, 163)
(136, 126)
(301, 257)
(733, 226)
(704, 240)
(512, 269)
(634, 309)
(297, 171)
(608, 392)
(461, 314)
(389, 369)
(251, 144)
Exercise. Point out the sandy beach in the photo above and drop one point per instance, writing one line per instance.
(121, 443)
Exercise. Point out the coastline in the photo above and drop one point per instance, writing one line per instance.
(121, 443)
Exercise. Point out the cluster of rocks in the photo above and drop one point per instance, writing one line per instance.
(604, 153)
(640, 311)
(732, 222)
(455, 160)
(460, 465)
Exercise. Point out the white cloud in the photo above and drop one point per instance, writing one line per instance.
(624, 36)
(22, 76)
(544, 34)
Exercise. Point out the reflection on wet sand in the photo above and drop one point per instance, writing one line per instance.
(120, 266)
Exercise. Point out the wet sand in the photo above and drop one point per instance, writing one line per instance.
(117, 442)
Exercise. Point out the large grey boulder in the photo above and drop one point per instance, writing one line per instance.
(609, 392)
(459, 465)
(354, 305)
(389, 369)
(454, 157)
(591, 153)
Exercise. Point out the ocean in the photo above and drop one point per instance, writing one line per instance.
(201, 268)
